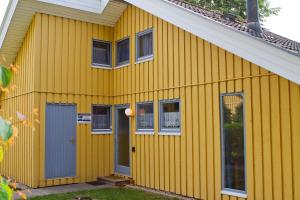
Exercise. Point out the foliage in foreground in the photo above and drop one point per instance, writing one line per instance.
(106, 194)
(236, 7)
(9, 131)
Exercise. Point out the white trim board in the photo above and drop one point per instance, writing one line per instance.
(10, 10)
(252, 49)
(94, 6)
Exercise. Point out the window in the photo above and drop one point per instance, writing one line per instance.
(144, 45)
(101, 53)
(145, 117)
(170, 116)
(101, 118)
(233, 143)
(123, 52)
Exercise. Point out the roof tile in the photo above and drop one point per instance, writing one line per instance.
(267, 36)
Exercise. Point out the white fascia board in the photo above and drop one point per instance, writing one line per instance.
(93, 6)
(103, 5)
(252, 49)
(10, 10)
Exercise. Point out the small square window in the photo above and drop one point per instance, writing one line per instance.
(145, 117)
(101, 53)
(101, 118)
(123, 52)
(144, 45)
(170, 116)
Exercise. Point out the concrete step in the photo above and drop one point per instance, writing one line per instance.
(114, 180)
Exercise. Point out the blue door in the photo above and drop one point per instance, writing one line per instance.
(60, 141)
(122, 141)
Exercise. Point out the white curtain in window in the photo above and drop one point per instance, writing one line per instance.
(146, 45)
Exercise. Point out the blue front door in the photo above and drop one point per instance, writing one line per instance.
(122, 141)
(60, 141)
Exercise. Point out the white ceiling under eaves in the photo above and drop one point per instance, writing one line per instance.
(104, 12)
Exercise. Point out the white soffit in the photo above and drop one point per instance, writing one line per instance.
(20, 13)
(84, 5)
(252, 49)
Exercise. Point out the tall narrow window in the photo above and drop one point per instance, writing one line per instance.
(169, 116)
(145, 117)
(101, 118)
(101, 53)
(233, 143)
(144, 45)
(123, 52)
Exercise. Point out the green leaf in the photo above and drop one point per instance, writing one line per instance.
(1, 154)
(6, 192)
(6, 129)
(5, 76)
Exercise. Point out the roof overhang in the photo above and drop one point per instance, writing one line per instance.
(252, 49)
(19, 14)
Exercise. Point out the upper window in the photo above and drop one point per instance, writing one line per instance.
(145, 117)
(101, 53)
(122, 52)
(101, 118)
(233, 143)
(144, 45)
(170, 116)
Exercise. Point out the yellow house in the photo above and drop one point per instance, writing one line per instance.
(178, 98)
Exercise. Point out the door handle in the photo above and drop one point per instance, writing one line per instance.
(72, 141)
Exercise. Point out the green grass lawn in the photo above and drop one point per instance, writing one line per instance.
(106, 194)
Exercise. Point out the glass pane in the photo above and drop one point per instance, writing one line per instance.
(101, 118)
(101, 53)
(145, 116)
(145, 45)
(233, 142)
(170, 116)
(123, 51)
(123, 138)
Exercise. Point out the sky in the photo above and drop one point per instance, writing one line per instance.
(285, 24)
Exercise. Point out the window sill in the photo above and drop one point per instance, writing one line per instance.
(170, 133)
(235, 194)
(145, 59)
(121, 66)
(101, 133)
(144, 132)
(101, 67)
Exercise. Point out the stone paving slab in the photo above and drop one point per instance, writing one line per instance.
(61, 189)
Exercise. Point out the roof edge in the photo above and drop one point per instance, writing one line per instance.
(256, 51)
(94, 6)
(103, 5)
(10, 10)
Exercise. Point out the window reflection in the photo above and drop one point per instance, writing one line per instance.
(233, 142)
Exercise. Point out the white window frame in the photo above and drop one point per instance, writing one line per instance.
(101, 65)
(139, 59)
(162, 131)
(140, 131)
(102, 131)
(124, 63)
(229, 191)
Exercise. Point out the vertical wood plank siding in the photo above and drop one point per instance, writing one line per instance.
(57, 53)
(66, 76)
(55, 67)
(19, 158)
(197, 72)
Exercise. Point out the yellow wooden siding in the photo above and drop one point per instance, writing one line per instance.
(184, 67)
(66, 76)
(55, 67)
(197, 72)
(19, 158)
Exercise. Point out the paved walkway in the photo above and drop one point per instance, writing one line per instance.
(61, 189)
